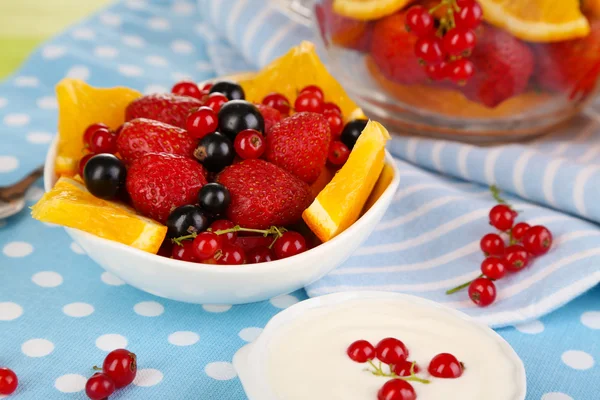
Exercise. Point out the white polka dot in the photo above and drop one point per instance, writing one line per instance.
(78, 310)
(79, 72)
(284, 301)
(39, 137)
(83, 34)
(17, 249)
(183, 338)
(183, 8)
(130, 70)
(556, 396)
(26, 81)
(8, 163)
(110, 19)
(158, 24)
(111, 280)
(182, 46)
(147, 377)
(3, 102)
(221, 371)
(591, 319)
(37, 347)
(106, 52)
(577, 359)
(47, 103)
(155, 89)
(52, 52)
(531, 328)
(10, 311)
(216, 308)
(250, 334)
(47, 279)
(70, 383)
(111, 341)
(136, 4)
(75, 248)
(149, 309)
(181, 76)
(157, 61)
(16, 119)
(133, 41)
(34, 193)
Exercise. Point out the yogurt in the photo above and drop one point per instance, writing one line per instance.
(307, 356)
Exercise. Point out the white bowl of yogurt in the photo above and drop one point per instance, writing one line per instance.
(301, 353)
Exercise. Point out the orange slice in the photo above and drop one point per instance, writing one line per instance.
(340, 203)
(70, 204)
(368, 9)
(79, 106)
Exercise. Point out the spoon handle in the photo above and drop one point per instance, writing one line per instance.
(18, 189)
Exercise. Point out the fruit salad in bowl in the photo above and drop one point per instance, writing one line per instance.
(230, 191)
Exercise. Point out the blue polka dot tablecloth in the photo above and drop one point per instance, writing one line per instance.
(60, 313)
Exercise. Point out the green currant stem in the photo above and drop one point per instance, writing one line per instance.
(178, 240)
(378, 371)
(274, 230)
(496, 194)
(461, 287)
(96, 368)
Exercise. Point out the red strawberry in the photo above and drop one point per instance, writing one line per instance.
(141, 136)
(343, 31)
(168, 108)
(503, 66)
(393, 50)
(158, 183)
(571, 66)
(300, 144)
(270, 115)
(262, 194)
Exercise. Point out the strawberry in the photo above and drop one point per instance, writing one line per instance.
(571, 66)
(300, 144)
(343, 31)
(393, 50)
(270, 115)
(158, 183)
(262, 194)
(141, 136)
(168, 108)
(503, 66)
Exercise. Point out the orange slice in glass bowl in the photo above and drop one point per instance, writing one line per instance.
(366, 10)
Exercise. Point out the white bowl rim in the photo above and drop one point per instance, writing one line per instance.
(50, 179)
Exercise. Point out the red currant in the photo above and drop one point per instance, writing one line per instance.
(121, 366)
(445, 365)
(308, 102)
(278, 102)
(185, 252)
(470, 14)
(338, 153)
(8, 381)
(187, 88)
(84, 161)
(206, 245)
(403, 368)
(516, 258)
(216, 101)
(289, 244)
(396, 389)
(519, 230)
(420, 22)
(361, 351)
(202, 122)
(166, 249)
(206, 87)
(331, 107)
(502, 217)
(429, 50)
(460, 71)
(314, 89)
(249, 144)
(89, 132)
(99, 386)
(492, 245)
(493, 268)
(221, 225)
(391, 351)
(482, 292)
(459, 42)
(259, 254)
(437, 72)
(103, 141)
(232, 255)
(537, 240)
(336, 123)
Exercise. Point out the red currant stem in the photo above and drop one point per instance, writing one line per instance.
(378, 371)
(463, 286)
(511, 239)
(496, 194)
(178, 240)
(218, 254)
(274, 230)
(96, 368)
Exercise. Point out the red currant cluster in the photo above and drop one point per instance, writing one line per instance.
(444, 46)
(394, 354)
(524, 243)
(98, 139)
(118, 370)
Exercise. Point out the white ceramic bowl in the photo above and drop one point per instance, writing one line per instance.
(212, 284)
(251, 361)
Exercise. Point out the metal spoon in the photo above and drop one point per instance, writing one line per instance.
(12, 198)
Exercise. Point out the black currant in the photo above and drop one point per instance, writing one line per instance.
(229, 89)
(215, 152)
(186, 220)
(214, 198)
(104, 176)
(352, 131)
(238, 115)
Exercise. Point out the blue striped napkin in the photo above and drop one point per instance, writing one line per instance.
(429, 240)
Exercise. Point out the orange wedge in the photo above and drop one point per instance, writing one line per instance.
(340, 203)
(70, 204)
(368, 9)
(79, 106)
